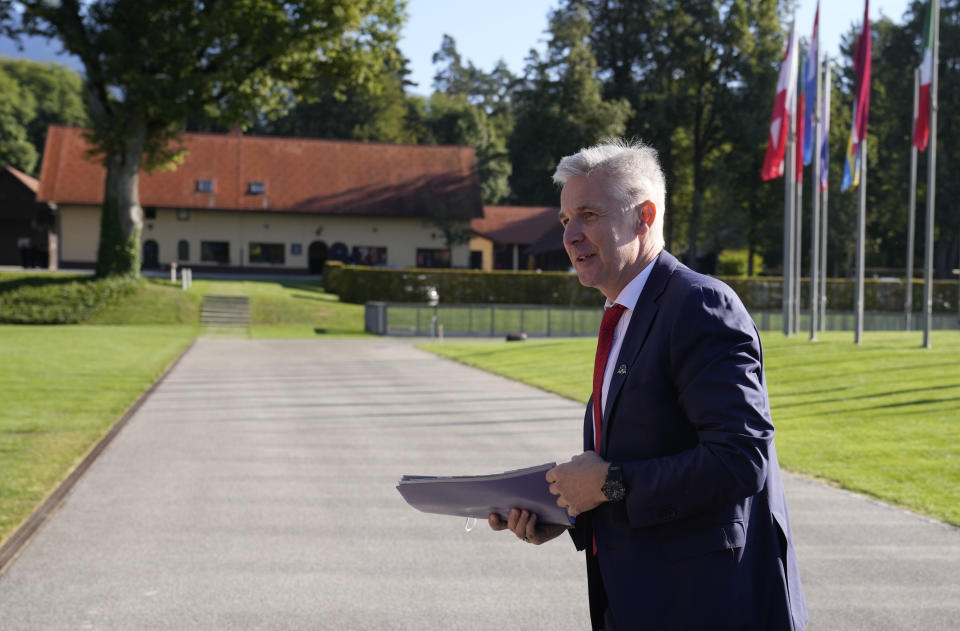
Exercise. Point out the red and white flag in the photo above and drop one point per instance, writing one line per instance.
(921, 127)
(783, 108)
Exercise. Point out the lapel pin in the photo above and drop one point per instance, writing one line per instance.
(622, 370)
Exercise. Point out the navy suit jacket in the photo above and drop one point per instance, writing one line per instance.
(702, 540)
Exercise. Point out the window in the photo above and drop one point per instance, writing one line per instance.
(266, 253)
(204, 186)
(256, 188)
(183, 250)
(215, 251)
(368, 255)
(149, 212)
(433, 258)
(183, 214)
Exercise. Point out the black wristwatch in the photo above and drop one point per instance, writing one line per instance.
(613, 488)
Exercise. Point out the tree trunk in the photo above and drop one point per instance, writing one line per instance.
(121, 217)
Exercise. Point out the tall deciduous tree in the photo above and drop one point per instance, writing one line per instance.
(149, 64)
(686, 68)
(375, 110)
(560, 107)
(57, 92)
(17, 109)
(475, 108)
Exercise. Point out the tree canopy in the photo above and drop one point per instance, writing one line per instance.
(695, 79)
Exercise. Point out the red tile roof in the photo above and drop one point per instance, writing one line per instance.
(300, 175)
(522, 225)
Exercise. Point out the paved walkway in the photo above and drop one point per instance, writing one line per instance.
(255, 490)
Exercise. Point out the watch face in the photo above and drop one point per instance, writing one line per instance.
(613, 490)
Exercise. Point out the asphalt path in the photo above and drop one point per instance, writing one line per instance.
(255, 489)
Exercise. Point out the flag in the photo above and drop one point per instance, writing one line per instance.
(810, 87)
(825, 130)
(861, 105)
(921, 127)
(782, 107)
(801, 118)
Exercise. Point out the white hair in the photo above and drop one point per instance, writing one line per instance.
(634, 174)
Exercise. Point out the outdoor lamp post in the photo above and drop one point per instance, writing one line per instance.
(433, 299)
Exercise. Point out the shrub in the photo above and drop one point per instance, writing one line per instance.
(734, 263)
(61, 300)
(358, 284)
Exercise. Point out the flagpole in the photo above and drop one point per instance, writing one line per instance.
(823, 223)
(861, 234)
(798, 247)
(931, 180)
(788, 231)
(912, 212)
(815, 215)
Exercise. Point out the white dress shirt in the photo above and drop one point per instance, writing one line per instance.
(627, 297)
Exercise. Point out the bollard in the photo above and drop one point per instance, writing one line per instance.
(189, 277)
(183, 279)
(439, 332)
(173, 273)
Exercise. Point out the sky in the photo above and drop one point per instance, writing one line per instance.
(488, 31)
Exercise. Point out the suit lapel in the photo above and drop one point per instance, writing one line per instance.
(640, 323)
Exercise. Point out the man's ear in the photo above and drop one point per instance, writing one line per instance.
(647, 213)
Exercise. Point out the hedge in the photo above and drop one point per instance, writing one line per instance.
(358, 284)
(64, 300)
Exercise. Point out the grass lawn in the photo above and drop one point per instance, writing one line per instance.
(159, 302)
(882, 419)
(62, 388)
(289, 308)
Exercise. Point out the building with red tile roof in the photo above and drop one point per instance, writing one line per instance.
(505, 235)
(27, 234)
(267, 203)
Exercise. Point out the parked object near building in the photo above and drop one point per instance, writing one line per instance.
(262, 203)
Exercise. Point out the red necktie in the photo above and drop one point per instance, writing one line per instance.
(610, 318)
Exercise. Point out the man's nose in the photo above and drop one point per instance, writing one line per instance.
(571, 233)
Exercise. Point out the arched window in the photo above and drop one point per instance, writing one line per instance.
(183, 250)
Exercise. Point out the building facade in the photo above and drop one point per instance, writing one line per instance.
(274, 204)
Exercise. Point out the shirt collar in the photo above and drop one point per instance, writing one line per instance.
(630, 294)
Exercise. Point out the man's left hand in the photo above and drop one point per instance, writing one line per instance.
(578, 484)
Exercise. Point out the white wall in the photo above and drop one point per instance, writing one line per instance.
(80, 234)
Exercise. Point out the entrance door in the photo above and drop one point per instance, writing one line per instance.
(151, 254)
(317, 255)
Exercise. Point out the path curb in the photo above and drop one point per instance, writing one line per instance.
(22, 536)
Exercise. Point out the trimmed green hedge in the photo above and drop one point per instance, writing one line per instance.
(60, 300)
(358, 284)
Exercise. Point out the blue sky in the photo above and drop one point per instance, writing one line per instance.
(507, 29)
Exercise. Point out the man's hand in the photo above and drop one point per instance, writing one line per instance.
(523, 523)
(579, 483)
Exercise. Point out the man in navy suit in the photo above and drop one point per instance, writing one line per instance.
(677, 495)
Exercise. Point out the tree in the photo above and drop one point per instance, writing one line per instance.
(559, 108)
(17, 109)
(149, 64)
(57, 92)
(372, 111)
(750, 209)
(474, 108)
